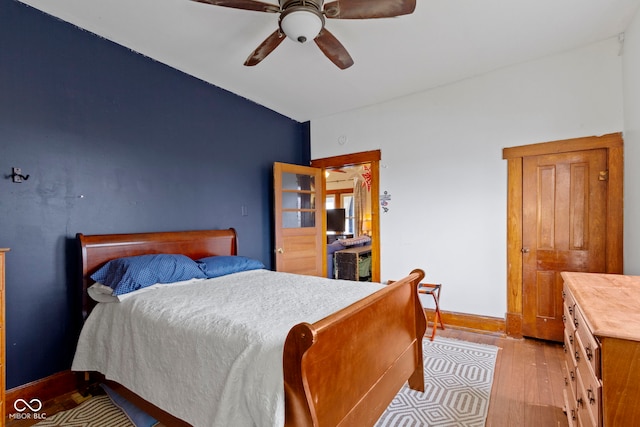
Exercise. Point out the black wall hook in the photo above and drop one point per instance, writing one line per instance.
(17, 176)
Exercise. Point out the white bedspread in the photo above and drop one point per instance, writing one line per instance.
(210, 351)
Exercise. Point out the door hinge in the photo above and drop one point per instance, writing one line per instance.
(603, 176)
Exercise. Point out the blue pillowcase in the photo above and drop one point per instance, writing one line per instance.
(128, 274)
(137, 416)
(216, 266)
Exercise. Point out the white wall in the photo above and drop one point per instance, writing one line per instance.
(631, 73)
(442, 162)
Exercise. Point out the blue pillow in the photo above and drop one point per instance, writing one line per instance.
(334, 247)
(137, 416)
(216, 266)
(128, 274)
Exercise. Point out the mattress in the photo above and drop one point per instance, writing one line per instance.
(209, 351)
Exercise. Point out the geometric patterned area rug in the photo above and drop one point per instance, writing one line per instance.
(458, 378)
(99, 411)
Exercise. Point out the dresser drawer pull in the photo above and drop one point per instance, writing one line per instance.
(566, 381)
(588, 352)
(564, 319)
(575, 322)
(580, 403)
(577, 354)
(591, 395)
(573, 376)
(570, 338)
(571, 309)
(564, 347)
(573, 414)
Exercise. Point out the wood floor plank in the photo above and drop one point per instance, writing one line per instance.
(499, 403)
(546, 411)
(555, 356)
(518, 387)
(530, 379)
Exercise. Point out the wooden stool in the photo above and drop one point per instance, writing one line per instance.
(434, 291)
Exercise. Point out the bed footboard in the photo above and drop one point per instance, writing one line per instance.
(344, 370)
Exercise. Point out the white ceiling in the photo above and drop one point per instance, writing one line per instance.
(441, 42)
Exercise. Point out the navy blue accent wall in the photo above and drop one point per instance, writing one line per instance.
(114, 143)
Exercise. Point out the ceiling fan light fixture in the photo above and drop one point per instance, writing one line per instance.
(303, 20)
(301, 25)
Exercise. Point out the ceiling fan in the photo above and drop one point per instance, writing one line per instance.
(303, 20)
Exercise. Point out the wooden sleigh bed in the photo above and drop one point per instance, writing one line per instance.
(343, 370)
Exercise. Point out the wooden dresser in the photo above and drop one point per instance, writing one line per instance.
(2, 337)
(602, 349)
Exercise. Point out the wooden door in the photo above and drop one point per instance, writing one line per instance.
(564, 229)
(299, 219)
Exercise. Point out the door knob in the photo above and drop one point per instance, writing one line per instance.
(525, 250)
(280, 250)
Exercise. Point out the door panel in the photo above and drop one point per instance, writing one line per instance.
(299, 219)
(564, 229)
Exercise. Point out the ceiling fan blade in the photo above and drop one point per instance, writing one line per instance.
(333, 49)
(244, 4)
(265, 48)
(367, 9)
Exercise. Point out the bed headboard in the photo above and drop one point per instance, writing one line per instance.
(95, 250)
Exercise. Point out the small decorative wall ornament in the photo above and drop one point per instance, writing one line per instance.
(385, 198)
(16, 175)
(366, 176)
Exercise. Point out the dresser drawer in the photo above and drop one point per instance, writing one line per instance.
(588, 397)
(570, 382)
(569, 303)
(570, 373)
(570, 344)
(567, 316)
(570, 409)
(590, 347)
(569, 391)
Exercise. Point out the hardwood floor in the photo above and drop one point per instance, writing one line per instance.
(526, 392)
